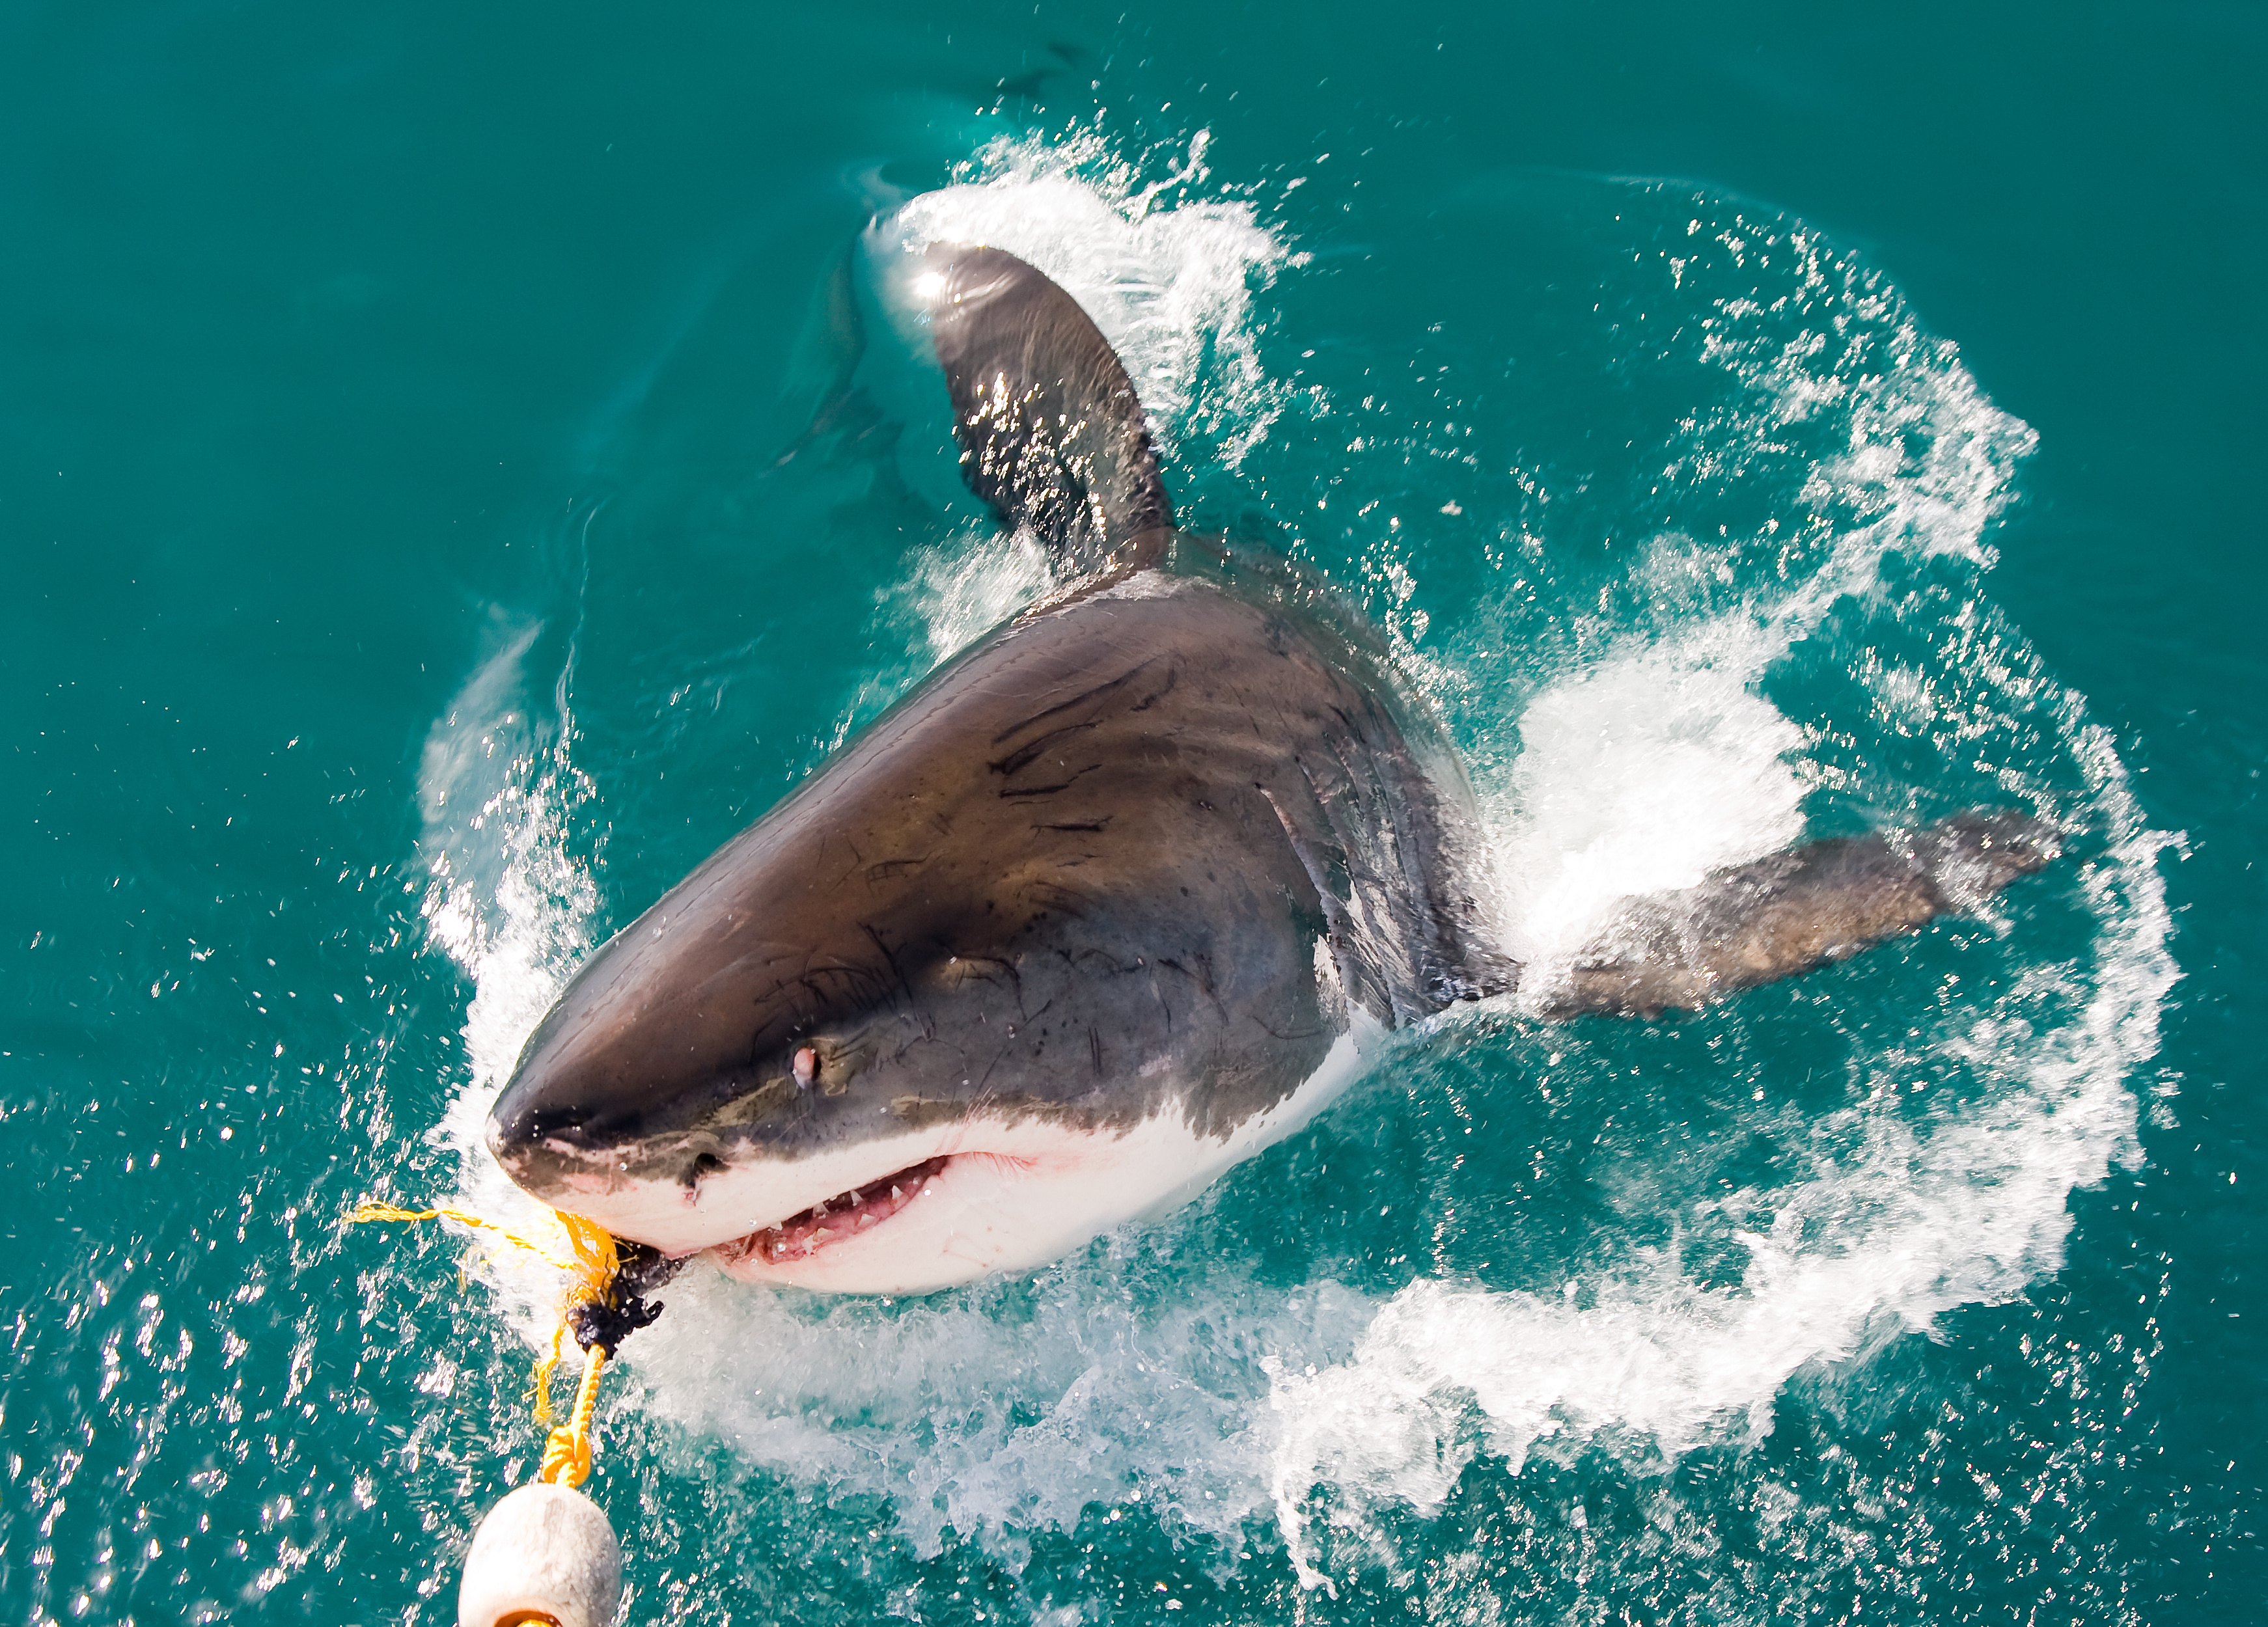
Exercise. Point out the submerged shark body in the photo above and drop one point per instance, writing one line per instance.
(1114, 899)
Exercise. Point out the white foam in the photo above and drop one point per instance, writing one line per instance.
(509, 902)
(507, 899)
(1641, 775)
(1010, 1408)
(960, 590)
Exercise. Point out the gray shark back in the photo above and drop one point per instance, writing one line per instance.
(1148, 850)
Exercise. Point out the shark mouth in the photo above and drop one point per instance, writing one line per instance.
(835, 1219)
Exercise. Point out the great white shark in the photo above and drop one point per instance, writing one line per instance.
(1113, 899)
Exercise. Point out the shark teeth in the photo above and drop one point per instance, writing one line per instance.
(847, 1214)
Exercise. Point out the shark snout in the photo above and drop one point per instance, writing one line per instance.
(556, 1141)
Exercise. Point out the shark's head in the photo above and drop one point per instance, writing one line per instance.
(1036, 955)
(878, 1105)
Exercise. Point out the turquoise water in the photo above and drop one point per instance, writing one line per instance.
(1742, 421)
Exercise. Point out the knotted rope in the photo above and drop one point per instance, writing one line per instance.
(567, 1449)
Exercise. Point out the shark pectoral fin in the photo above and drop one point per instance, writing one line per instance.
(1051, 431)
(820, 386)
(1796, 910)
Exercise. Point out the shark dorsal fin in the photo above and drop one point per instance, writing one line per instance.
(1052, 433)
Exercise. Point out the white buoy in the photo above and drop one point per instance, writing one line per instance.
(544, 1554)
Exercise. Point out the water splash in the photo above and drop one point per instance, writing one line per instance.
(509, 900)
(1641, 774)
(1163, 1369)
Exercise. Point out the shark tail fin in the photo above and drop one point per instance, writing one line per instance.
(1052, 433)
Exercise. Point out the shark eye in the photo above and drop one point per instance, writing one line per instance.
(806, 1064)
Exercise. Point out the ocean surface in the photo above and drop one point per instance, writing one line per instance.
(433, 523)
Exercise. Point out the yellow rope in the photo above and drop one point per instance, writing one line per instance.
(371, 1210)
(567, 1449)
(538, 1387)
(589, 1262)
